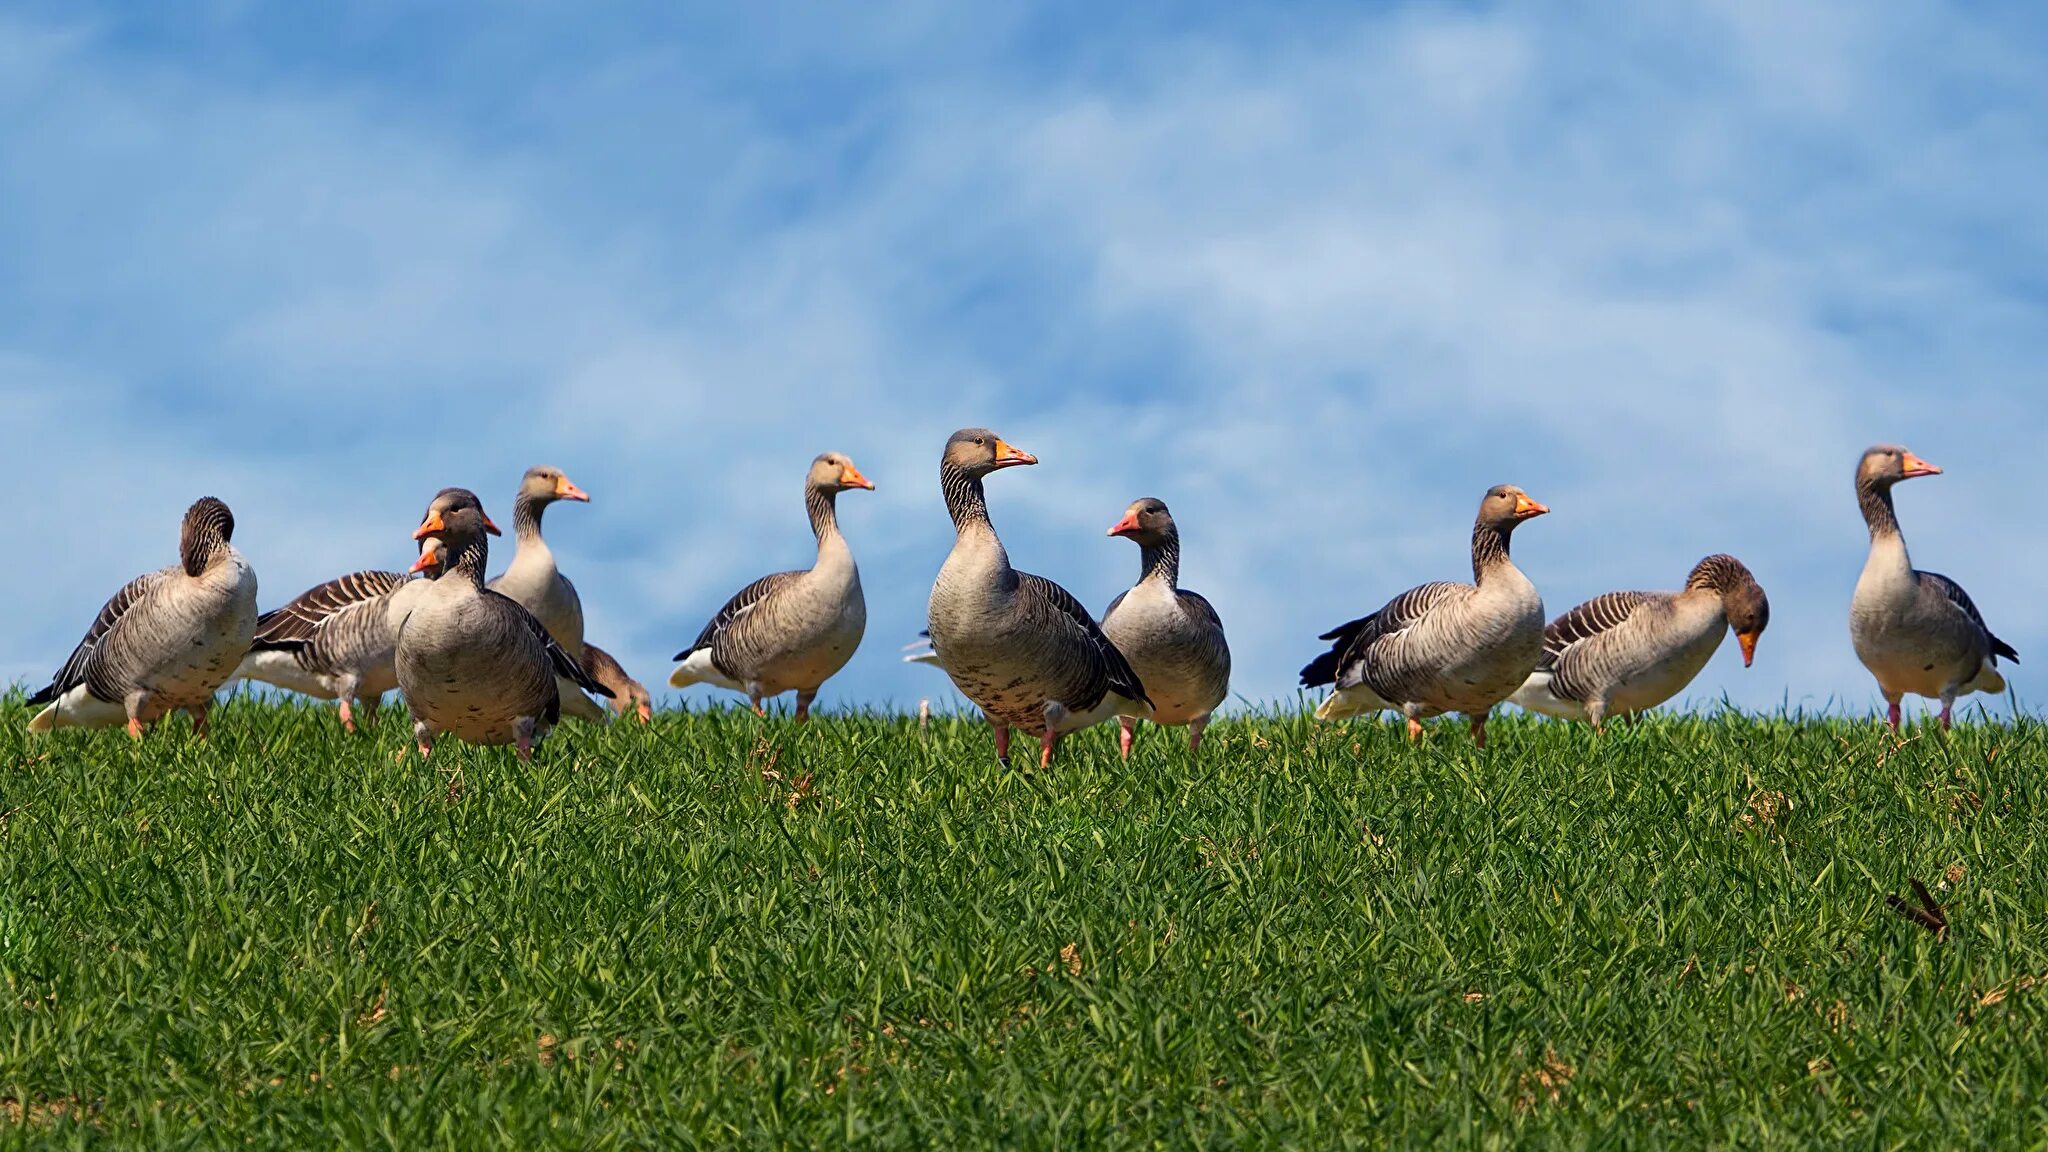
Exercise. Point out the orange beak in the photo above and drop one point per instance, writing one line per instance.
(432, 524)
(493, 528)
(1008, 455)
(430, 557)
(564, 490)
(1525, 507)
(1125, 526)
(1748, 642)
(850, 477)
(1915, 466)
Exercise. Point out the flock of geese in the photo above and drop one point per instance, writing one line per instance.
(498, 662)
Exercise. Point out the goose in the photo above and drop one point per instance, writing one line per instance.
(1019, 646)
(1171, 636)
(1627, 652)
(335, 641)
(1916, 631)
(166, 641)
(789, 630)
(472, 661)
(628, 694)
(537, 583)
(1443, 647)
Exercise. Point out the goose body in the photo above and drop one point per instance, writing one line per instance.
(1443, 647)
(1172, 637)
(789, 631)
(166, 641)
(334, 641)
(1917, 632)
(1019, 646)
(1626, 652)
(471, 661)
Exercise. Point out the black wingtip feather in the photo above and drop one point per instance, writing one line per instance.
(45, 695)
(2005, 651)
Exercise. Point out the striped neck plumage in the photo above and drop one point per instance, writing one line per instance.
(470, 561)
(205, 533)
(1160, 560)
(823, 506)
(526, 514)
(1489, 548)
(965, 500)
(1875, 498)
(1717, 573)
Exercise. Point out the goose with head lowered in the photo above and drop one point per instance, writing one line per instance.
(789, 631)
(1443, 647)
(1018, 645)
(166, 641)
(1627, 652)
(1916, 631)
(537, 583)
(1171, 636)
(472, 661)
(336, 641)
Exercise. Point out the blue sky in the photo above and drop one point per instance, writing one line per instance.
(1316, 275)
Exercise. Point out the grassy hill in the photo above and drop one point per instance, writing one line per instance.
(716, 931)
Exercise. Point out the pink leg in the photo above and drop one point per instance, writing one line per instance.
(1123, 740)
(1045, 746)
(1479, 731)
(348, 715)
(803, 706)
(1195, 730)
(1002, 743)
(1892, 715)
(1947, 706)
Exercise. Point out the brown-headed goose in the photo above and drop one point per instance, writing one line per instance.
(1916, 631)
(1172, 637)
(472, 661)
(1626, 652)
(166, 641)
(1019, 646)
(628, 694)
(789, 630)
(1443, 647)
(336, 641)
(537, 582)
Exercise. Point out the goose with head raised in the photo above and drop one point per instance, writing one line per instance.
(789, 631)
(536, 581)
(1018, 645)
(166, 641)
(472, 661)
(1443, 647)
(1172, 637)
(1916, 631)
(336, 641)
(1622, 653)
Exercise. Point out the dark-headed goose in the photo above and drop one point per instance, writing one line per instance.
(1171, 636)
(166, 641)
(335, 641)
(472, 661)
(1916, 631)
(1443, 647)
(790, 630)
(1626, 652)
(1019, 646)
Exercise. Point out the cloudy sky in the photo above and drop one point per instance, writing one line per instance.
(1316, 275)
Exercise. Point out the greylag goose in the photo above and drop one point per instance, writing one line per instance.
(628, 694)
(1443, 647)
(1916, 631)
(789, 630)
(534, 580)
(1171, 636)
(1019, 646)
(335, 641)
(1627, 652)
(166, 641)
(472, 661)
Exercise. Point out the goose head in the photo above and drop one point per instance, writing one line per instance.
(834, 472)
(1749, 612)
(1887, 464)
(1505, 506)
(545, 485)
(1146, 522)
(208, 526)
(978, 452)
(453, 513)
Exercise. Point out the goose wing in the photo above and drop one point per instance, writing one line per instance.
(1584, 622)
(1353, 640)
(298, 622)
(744, 601)
(1063, 609)
(78, 666)
(565, 665)
(1953, 591)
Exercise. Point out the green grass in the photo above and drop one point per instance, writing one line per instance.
(716, 931)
